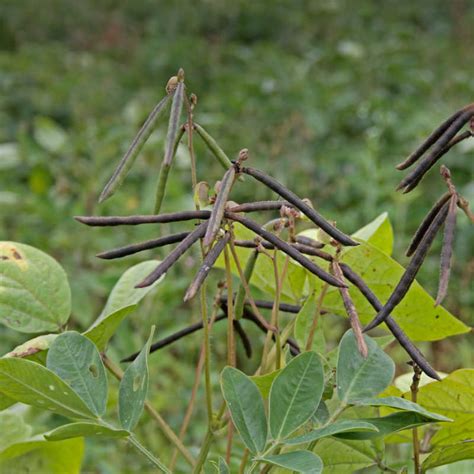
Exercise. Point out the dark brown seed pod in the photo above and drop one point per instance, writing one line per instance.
(442, 146)
(148, 244)
(259, 206)
(175, 337)
(166, 341)
(304, 249)
(243, 337)
(173, 257)
(423, 227)
(351, 312)
(110, 221)
(417, 175)
(219, 207)
(286, 248)
(293, 345)
(411, 270)
(267, 304)
(302, 239)
(397, 332)
(308, 211)
(447, 250)
(206, 266)
(413, 158)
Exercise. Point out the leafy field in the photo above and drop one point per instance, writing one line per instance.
(327, 97)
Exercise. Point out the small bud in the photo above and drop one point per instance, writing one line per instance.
(243, 155)
(230, 204)
(201, 194)
(181, 74)
(172, 83)
(193, 99)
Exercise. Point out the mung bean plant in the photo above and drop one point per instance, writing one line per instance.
(313, 404)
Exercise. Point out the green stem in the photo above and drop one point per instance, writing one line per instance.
(150, 456)
(240, 298)
(208, 440)
(331, 419)
(230, 311)
(204, 450)
(207, 352)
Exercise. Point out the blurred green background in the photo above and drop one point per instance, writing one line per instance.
(327, 95)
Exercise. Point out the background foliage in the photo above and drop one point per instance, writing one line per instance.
(328, 97)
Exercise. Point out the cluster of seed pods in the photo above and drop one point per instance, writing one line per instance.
(442, 213)
(213, 228)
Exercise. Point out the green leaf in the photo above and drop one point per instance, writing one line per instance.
(401, 404)
(40, 456)
(378, 233)
(299, 461)
(49, 134)
(295, 394)
(84, 429)
(452, 397)
(390, 424)
(449, 454)
(14, 429)
(9, 156)
(344, 456)
(264, 382)
(321, 416)
(134, 387)
(222, 467)
(34, 291)
(416, 314)
(33, 384)
(123, 299)
(358, 377)
(75, 359)
(304, 322)
(5, 402)
(246, 408)
(341, 426)
(33, 346)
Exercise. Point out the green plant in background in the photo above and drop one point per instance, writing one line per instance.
(305, 404)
